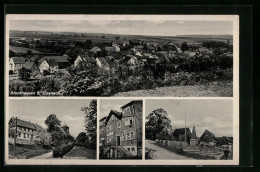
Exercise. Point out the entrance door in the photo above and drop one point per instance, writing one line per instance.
(118, 140)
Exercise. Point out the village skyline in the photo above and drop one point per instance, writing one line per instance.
(215, 119)
(67, 111)
(127, 27)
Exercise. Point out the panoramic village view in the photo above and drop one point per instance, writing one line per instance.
(120, 129)
(186, 130)
(52, 129)
(120, 58)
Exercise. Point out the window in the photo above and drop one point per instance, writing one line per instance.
(24, 135)
(132, 134)
(133, 148)
(119, 124)
(123, 136)
(31, 136)
(20, 128)
(127, 136)
(19, 134)
(28, 135)
(128, 149)
(24, 129)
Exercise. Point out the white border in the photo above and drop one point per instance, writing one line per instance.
(235, 97)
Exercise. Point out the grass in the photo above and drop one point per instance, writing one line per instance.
(213, 89)
(27, 151)
(81, 152)
(22, 50)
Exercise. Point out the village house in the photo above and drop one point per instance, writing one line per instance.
(94, 50)
(16, 63)
(123, 137)
(49, 65)
(86, 59)
(208, 139)
(130, 60)
(105, 62)
(102, 131)
(61, 61)
(27, 132)
(179, 134)
(32, 66)
(225, 143)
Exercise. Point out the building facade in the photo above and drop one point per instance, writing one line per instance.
(123, 132)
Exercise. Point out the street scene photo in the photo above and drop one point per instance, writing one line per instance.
(122, 58)
(52, 129)
(189, 129)
(120, 129)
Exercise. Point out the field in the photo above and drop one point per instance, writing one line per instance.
(97, 37)
(214, 89)
(21, 50)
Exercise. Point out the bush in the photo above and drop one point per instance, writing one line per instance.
(62, 150)
(46, 72)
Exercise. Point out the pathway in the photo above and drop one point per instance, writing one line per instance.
(44, 156)
(162, 153)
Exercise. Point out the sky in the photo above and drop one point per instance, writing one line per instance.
(36, 111)
(107, 105)
(129, 27)
(213, 115)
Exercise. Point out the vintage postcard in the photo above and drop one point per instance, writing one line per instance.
(122, 90)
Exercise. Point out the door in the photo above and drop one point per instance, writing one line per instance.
(118, 140)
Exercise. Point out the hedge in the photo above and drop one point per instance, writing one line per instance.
(62, 150)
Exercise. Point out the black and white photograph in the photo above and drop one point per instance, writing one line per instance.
(52, 129)
(120, 129)
(86, 89)
(186, 130)
(123, 58)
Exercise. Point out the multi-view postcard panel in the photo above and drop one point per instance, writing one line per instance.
(120, 129)
(137, 90)
(185, 130)
(52, 129)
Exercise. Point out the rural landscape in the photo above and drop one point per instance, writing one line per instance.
(44, 63)
(73, 138)
(180, 130)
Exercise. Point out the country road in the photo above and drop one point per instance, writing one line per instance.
(44, 156)
(161, 153)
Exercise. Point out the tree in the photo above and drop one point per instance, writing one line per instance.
(91, 120)
(184, 46)
(53, 123)
(117, 37)
(156, 122)
(82, 137)
(58, 138)
(25, 73)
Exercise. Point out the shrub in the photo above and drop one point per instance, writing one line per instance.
(46, 72)
(62, 150)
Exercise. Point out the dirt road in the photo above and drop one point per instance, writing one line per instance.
(161, 153)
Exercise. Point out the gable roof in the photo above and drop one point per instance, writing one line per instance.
(132, 102)
(51, 62)
(179, 131)
(22, 123)
(113, 112)
(85, 57)
(208, 136)
(110, 49)
(94, 49)
(18, 60)
(58, 59)
(224, 140)
(38, 127)
(127, 58)
(29, 65)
